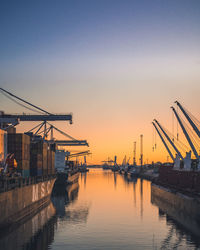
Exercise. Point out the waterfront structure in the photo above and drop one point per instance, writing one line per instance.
(180, 162)
(60, 160)
(3, 145)
(22, 197)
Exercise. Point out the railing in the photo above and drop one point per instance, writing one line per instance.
(7, 183)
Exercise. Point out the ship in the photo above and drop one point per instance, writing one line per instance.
(26, 178)
(27, 162)
(22, 197)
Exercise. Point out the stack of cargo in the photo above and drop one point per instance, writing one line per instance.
(60, 156)
(36, 164)
(19, 145)
(3, 145)
(38, 158)
(51, 161)
(11, 130)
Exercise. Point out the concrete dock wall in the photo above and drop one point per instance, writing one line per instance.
(21, 202)
(183, 209)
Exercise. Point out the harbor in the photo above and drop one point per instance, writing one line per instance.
(77, 218)
(40, 180)
(99, 125)
(32, 166)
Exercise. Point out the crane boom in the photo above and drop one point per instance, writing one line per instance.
(22, 100)
(45, 117)
(188, 118)
(185, 133)
(170, 141)
(69, 142)
(171, 155)
(79, 154)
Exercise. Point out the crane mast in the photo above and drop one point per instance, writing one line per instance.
(134, 153)
(170, 141)
(188, 118)
(185, 133)
(171, 155)
(141, 150)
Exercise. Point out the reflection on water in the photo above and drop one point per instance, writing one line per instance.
(185, 226)
(62, 197)
(65, 205)
(36, 233)
(105, 210)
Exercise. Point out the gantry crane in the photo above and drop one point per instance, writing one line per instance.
(83, 153)
(45, 131)
(44, 116)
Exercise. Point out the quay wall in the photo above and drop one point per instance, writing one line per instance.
(177, 202)
(20, 202)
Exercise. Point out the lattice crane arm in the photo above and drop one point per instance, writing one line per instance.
(188, 118)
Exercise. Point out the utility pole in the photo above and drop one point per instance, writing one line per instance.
(141, 150)
(134, 153)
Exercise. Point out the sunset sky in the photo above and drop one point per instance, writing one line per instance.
(116, 65)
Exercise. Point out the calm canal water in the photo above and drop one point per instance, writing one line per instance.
(103, 211)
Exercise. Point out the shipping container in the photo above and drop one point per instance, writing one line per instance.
(19, 145)
(51, 161)
(36, 172)
(3, 144)
(25, 173)
(23, 164)
(11, 130)
(40, 148)
(59, 162)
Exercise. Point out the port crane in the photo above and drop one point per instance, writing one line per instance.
(187, 159)
(165, 144)
(83, 153)
(186, 134)
(111, 161)
(134, 153)
(168, 138)
(188, 118)
(7, 120)
(41, 129)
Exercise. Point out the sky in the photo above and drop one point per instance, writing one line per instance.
(116, 65)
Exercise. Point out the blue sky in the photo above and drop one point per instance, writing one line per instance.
(99, 59)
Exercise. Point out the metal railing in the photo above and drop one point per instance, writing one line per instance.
(9, 183)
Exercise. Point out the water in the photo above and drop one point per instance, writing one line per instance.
(103, 211)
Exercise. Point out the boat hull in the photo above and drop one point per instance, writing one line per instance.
(21, 202)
